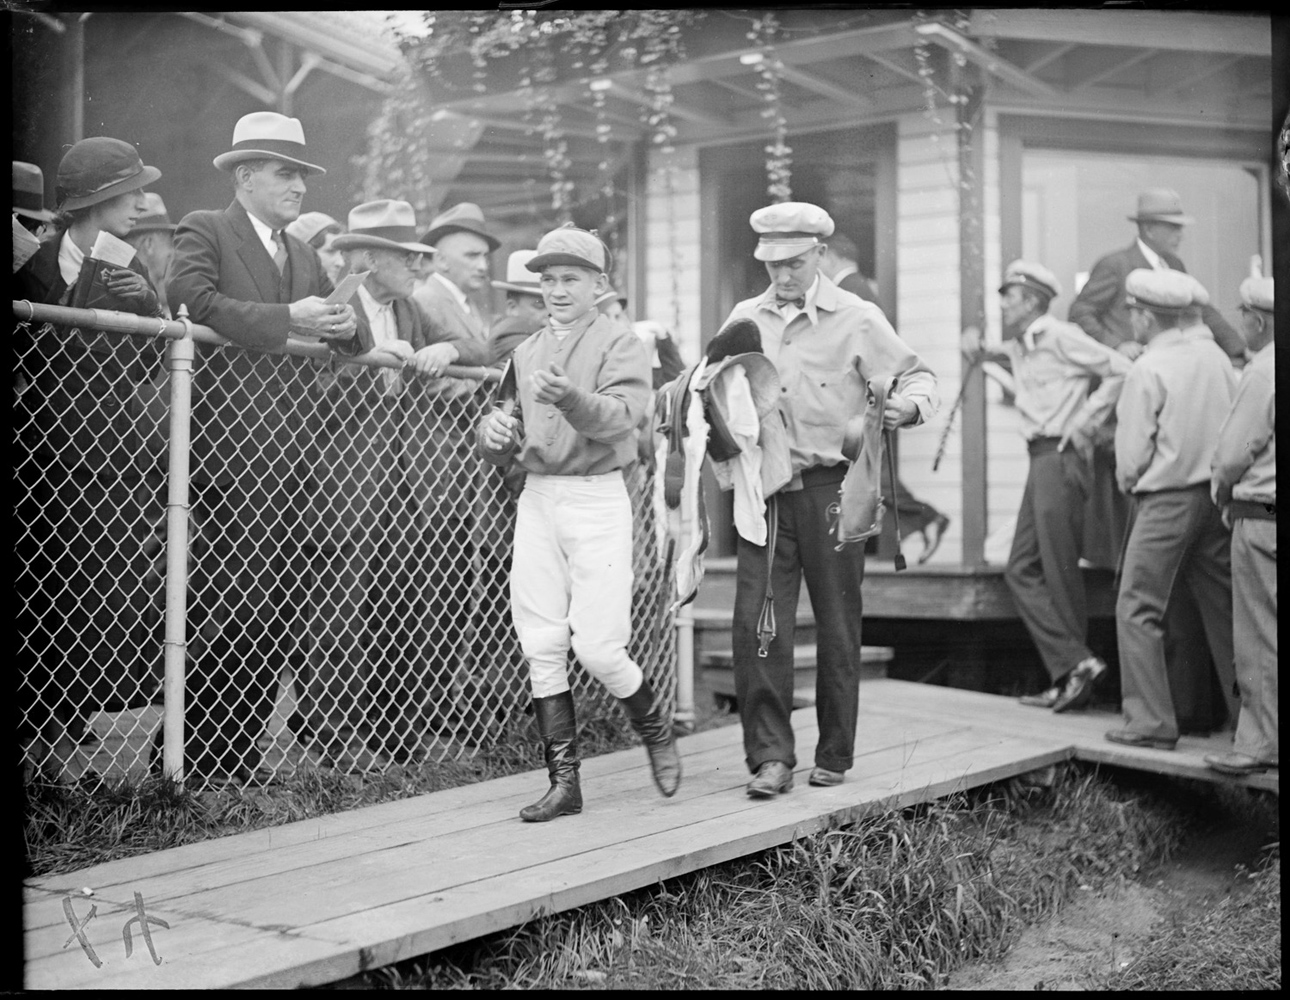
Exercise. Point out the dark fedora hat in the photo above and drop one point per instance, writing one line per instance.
(465, 217)
(97, 169)
(29, 192)
(267, 135)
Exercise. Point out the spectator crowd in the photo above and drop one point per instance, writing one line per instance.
(346, 540)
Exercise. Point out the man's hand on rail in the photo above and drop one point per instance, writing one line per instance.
(434, 359)
(315, 317)
(399, 352)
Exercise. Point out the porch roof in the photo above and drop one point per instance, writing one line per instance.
(853, 68)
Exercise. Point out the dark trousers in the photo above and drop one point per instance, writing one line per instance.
(1043, 568)
(83, 645)
(764, 685)
(1176, 535)
(248, 593)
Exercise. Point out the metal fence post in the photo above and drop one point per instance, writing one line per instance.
(180, 354)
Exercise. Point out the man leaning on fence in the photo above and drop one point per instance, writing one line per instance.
(238, 272)
(80, 518)
(1054, 365)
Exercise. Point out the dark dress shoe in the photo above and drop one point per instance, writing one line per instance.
(1079, 686)
(1128, 738)
(772, 778)
(822, 777)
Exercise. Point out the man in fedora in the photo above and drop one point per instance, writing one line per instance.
(525, 308)
(1170, 410)
(826, 343)
(29, 198)
(1055, 366)
(1101, 310)
(238, 271)
(375, 567)
(153, 239)
(462, 499)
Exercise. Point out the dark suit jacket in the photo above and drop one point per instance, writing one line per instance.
(443, 315)
(249, 408)
(80, 383)
(1101, 309)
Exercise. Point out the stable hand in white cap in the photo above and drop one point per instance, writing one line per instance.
(551, 386)
(319, 318)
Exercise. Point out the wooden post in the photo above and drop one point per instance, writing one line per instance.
(971, 161)
(75, 50)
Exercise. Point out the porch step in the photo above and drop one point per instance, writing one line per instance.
(719, 674)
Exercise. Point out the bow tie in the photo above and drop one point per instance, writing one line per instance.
(800, 302)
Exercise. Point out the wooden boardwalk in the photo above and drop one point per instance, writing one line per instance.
(319, 900)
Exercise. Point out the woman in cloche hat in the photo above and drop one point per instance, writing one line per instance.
(79, 484)
(100, 188)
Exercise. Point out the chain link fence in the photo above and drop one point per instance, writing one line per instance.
(337, 558)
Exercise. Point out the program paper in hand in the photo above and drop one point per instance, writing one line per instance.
(112, 250)
(347, 287)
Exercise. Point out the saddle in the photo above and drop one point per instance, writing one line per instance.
(858, 512)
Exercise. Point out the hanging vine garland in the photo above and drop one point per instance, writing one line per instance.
(770, 70)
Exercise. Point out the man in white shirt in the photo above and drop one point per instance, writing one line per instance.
(1170, 409)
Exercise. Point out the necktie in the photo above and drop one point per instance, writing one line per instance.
(280, 255)
(799, 302)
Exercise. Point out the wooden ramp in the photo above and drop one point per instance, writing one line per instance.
(319, 900)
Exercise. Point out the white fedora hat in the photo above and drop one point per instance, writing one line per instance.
(267, 135)
(518, 277)
(385, 224)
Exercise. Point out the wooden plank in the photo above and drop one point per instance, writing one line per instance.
(320, 900)
(930, 766)
(1183, 31)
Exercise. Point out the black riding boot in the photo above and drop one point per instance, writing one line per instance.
(656, 733)
(559, 728)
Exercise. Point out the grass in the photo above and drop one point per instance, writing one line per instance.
(897, 901)
(67, 828)
(1234, 945)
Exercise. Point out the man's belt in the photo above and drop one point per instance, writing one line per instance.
(1253, 509)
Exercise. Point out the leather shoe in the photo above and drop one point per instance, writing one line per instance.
(1079, 685)
(771, 778)
(1128, 738)
(822, 777)
(1045, 699)
(1236, 763)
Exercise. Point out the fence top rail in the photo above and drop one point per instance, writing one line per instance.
(177, 329)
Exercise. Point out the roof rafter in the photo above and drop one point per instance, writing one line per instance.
(994, 64)
(1186, 31)
(1118, 65)
(825, 88)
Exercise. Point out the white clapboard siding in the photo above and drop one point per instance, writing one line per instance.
(927, 269)
(672, 294)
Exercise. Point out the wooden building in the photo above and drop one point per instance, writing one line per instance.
(944, 149)
(943, 146)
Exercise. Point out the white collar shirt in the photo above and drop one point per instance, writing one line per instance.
(1153, 258)
(384, 329)
(457, 293)
(70, 257)
(265, 232)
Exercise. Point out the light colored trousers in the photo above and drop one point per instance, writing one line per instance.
(1254, 622)
(571, 581)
